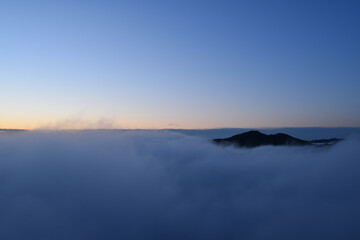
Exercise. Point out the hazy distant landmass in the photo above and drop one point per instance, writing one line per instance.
(253, 138)
(4, 130)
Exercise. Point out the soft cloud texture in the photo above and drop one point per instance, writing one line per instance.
(162, 185)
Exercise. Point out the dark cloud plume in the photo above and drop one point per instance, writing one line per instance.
(160, 185)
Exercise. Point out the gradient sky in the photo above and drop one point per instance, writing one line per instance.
(179, 64)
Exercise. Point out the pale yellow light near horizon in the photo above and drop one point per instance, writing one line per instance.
(33, 123)
(135, 122)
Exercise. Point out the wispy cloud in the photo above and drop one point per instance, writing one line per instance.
(78, 122)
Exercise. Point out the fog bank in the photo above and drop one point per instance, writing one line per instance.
(164, 185)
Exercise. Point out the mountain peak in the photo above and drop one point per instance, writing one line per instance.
(255, 138)
(252, 132)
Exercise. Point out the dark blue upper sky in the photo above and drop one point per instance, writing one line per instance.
(189, 64)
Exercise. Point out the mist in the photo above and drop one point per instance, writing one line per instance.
(165, 185)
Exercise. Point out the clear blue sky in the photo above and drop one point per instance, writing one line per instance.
(187, 64)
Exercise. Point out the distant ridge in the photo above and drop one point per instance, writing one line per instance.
(252, 139)
(11, 130)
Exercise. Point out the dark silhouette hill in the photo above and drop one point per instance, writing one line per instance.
(252, 139)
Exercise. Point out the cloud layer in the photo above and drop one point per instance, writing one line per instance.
(161, 185)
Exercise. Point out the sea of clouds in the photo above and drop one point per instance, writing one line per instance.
(164, 185)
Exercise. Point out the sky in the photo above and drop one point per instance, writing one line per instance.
(179, 64)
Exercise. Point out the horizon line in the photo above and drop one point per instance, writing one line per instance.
(200, 129)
